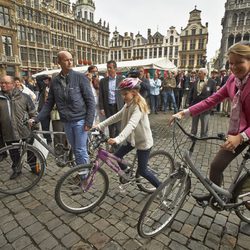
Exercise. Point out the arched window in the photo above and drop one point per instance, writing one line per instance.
(238, 38)
(241, 19)
(248, 19)
(234, 21)
(230, 41)
(171, 39)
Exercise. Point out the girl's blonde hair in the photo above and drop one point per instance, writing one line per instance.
(140, 101)
(241, 48)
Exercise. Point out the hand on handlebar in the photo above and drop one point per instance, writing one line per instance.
(111, 141)
(177, 116)
(31, 122)
(232, 142)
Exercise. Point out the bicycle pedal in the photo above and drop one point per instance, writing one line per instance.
(202, 203)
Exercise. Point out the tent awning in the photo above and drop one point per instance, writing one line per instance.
(156, 63)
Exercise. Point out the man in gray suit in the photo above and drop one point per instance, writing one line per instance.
(110, 100)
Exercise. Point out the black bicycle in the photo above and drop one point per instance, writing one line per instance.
(31, 164)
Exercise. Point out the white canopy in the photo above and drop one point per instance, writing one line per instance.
(156, 63)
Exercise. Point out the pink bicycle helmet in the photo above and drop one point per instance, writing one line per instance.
(130, 83)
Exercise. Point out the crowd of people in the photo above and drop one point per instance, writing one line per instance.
(73, 102)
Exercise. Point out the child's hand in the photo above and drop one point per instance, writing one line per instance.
(111, 141)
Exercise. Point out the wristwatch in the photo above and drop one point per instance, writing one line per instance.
(244, 137)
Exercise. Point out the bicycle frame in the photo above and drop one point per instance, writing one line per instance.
(214, 189)
(103, 156)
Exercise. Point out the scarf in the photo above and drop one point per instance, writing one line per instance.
(234, 123)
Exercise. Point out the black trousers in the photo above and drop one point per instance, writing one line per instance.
(15, 157)
(114, 129)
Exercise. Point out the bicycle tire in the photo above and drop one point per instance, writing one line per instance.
(70, 194)
(28, 177)
(241, 194)
(163, 205)
(162, 165)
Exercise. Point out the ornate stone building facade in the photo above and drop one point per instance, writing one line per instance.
(34, 31)
(186, 50)
(236, 27)
(193, 43)
(128, 47)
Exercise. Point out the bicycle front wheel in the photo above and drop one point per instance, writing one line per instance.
(81, 189)
(163, 205)
(242, 194)
(29, 164)
(161, 164)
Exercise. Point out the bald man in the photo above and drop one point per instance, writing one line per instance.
(71, 92)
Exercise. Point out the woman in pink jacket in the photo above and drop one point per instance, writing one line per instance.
(237, 88)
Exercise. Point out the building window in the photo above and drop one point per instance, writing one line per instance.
(171, 39)
(40, 56)
(39, 36)
(4, 16)
(199, 60)
(170, 52)
(150, 53)
(193, 32)
(186, 32)
(230, 41)
(7, 45)
(191, 61)
(183, 61)
(155, 52)
(45, 37)
(201, 43)
(166, 51)
(31, 35)
(192, 44)
(20, 12)
(241, 19)
(184, 45)
(24, 54)
(32, 55)
(234, 21)
(176, 51)
(21, 33)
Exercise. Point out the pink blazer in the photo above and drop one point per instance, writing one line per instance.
(228, 91)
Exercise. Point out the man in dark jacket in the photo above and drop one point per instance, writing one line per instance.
(14, 107)
(200, 90)
(71, 92)
(110, 100)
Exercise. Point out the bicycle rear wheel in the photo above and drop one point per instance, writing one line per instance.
(161, 164)
(30, 168)
(163, 205)
(72, 193)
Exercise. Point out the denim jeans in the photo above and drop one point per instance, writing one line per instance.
(166, 95)
(153, 103)
(77, 138)
(143, 156)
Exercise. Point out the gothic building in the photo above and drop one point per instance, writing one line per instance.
(236, 27)
(34, 31)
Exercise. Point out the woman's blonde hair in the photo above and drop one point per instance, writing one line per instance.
(241, 48)
(140, 101)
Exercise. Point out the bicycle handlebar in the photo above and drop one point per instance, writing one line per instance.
(220, 136)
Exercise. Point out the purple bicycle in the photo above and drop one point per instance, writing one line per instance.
(83, 187)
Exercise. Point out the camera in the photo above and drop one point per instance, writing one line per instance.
(134, 73)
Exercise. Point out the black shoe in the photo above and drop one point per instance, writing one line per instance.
(14, 175)
(3, 156)
(202, 197)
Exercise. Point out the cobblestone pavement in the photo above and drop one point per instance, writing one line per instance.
(32, 220)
